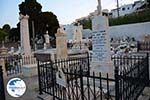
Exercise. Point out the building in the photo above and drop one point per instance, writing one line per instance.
(127, 9)
(91, 15)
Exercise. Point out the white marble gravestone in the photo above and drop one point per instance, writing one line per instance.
(78, 33)
(101, 59)
(61, 44)
(24, 30)
(77, 38)
(46, 36)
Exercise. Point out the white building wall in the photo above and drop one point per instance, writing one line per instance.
(127, 9)
(69, 30)
(132, 30)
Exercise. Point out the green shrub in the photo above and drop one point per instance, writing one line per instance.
(137, 17)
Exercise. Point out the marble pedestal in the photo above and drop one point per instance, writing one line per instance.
(29, 70)
(103, 69)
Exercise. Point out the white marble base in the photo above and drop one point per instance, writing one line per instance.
(29, 70)
(103, 69)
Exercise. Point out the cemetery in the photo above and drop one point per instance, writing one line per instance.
(114, 69)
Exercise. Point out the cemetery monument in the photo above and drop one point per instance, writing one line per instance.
(101, 59)
(24, 30)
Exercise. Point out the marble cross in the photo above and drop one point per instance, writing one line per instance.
(99, 7)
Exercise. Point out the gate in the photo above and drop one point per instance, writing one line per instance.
(131, 76)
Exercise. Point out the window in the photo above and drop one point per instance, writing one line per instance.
(128, 8)
(123, 9)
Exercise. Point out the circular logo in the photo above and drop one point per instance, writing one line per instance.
(16, 87)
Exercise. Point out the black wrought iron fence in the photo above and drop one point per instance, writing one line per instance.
(131, 76)
(78, 84)
(13, 64)
(2, 91)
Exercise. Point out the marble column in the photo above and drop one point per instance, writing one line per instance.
(24, 30)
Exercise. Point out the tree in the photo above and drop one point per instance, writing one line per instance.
(40, 19)
(87, 23)
(14, 35)
(3, 34)
(148, 1)
(6, 28)
(47, 21)
(31, 8)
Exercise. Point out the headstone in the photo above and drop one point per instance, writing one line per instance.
(3, 51)
(77, 38)
(47, 37)
(24, 30)
(78, 33)
(61, 44)
(12, 50)
(45, 46)
(19, 49)
(146, 38)
(101, 59)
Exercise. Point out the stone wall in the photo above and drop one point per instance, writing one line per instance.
(131, 30)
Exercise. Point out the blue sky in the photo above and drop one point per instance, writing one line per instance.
(65, 10)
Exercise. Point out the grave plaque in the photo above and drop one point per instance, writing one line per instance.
(60, 78)
(100, 40)
(100, 48)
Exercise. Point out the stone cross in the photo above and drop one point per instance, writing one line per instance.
(99, 7)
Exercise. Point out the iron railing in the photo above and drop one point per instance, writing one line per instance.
(80, 84)
(2, 90)
(13, 64)
(131, 76)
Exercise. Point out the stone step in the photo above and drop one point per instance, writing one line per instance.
(145, 95)
(144, 98)
(44, 97)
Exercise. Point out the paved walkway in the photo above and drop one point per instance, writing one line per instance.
(31, 91)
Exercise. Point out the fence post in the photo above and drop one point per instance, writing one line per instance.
(2, 63)
(81, 83)
(138, 46)
(116, 83)
(148, 69)
(88, 57)
(2, 91)
(39, 78)
(53, 78)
